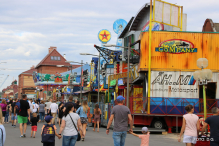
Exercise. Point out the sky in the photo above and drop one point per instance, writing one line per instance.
(29, 27)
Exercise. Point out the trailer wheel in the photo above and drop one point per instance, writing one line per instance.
(158, 124)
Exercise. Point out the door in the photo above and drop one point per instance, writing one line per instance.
(210, 96)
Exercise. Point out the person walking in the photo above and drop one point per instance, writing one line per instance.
(8, 108)
(70, 122)
(83, 112)
(53, 108)
(97, 113)
(13, 116)
(78, 104)
(10, 111)
(70, 101)
(60, 115)
(48, 105)
(42, 110)
(144, 137)
(34, 121)
(23, 114)
(121, 114)
(4, 108)
(190, 127)
(214, 128)
(2, 131)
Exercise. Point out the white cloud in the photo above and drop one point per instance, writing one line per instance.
(29, 28)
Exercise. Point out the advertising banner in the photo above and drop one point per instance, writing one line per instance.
(173, 84)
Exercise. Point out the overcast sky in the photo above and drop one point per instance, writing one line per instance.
(29, 27)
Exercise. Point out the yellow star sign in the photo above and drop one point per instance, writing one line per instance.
(104, 36)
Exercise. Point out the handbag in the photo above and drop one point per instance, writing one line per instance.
(79, 136)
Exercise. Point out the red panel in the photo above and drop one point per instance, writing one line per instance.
(142, 120)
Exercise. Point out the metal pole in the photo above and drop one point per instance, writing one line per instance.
(149, 54)
(204, 100)
(98, 80)
(127, 97)
(71, 69)
(81, 79)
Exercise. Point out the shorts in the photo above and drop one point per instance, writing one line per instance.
(33, 128)
(97, 118)
(3, 113)
(22, 119)
(13, 117)
(189, 139)
(83, 120)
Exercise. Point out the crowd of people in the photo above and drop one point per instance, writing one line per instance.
(72, 118)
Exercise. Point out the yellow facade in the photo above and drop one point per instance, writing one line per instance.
(206, 45)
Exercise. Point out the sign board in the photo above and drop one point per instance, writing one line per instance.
(86, 88)
(173, 84)
(104, 36)
(120, 82)
(166, 13)
(176, 46)
(113, 83)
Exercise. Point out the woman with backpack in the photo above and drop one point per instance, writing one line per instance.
(70, 122)
(83, 112)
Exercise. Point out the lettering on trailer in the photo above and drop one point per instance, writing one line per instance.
(165, 79)
(176, 46)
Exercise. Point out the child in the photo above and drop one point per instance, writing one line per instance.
(144, 138)
(34, 121)
(48, 132)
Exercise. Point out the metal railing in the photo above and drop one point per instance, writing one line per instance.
(170, 106)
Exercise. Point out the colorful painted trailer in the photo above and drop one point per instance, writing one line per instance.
(173, 62)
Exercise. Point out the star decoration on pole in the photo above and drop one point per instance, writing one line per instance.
(104, 35)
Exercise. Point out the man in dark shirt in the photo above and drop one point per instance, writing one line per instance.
(23, 115)
(214, 127)
(70, 101)
(121, 114)
(13, 117)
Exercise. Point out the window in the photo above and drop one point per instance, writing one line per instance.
(55, 58)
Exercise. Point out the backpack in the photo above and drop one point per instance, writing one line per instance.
(18, 106)
(48, 134)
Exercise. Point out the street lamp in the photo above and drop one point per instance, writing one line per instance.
(203, 76)
(113, 45)
(98, 96)
(81, 74)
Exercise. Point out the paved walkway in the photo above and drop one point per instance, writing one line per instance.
(92, 138)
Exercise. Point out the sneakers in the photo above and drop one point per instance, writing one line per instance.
(21, 136)
(24, 135)
(14, 126)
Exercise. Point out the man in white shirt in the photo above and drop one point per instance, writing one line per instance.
(34, 107)
(48, 105)
(53, 108)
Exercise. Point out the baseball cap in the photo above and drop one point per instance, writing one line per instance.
(48, 118)
(144, 129)
(120, 98)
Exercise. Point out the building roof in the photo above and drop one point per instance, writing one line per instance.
(30, 71)
(47, 59)
(139, 17)
(210, 26)
(126, 28)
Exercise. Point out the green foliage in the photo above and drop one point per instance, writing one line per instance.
(47, 77)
